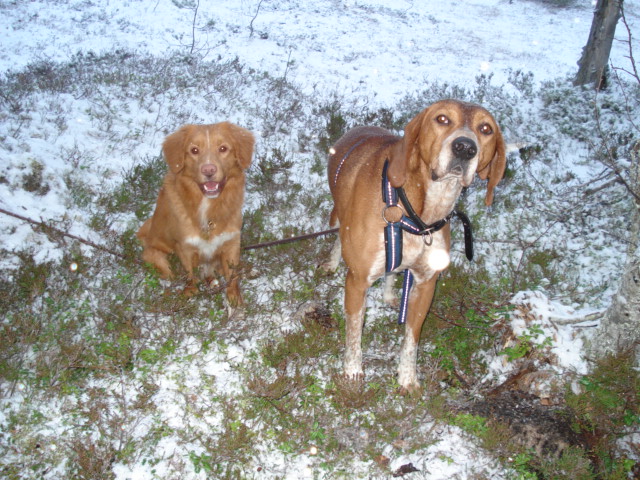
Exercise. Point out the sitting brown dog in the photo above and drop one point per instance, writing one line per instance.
(440, 152)
(198, 214)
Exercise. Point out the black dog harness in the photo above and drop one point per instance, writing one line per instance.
(411, 223)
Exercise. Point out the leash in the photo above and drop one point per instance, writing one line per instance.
(291, 239)
(413, 224)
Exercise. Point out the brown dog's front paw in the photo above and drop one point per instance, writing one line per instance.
(190, 289)
(235, 300)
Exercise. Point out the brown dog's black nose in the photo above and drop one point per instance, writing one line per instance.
(464, 148)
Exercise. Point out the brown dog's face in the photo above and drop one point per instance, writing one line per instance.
(455, 139)
(209, 154)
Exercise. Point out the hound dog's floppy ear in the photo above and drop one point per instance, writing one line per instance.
(492, 163)
(243, 144)
(173, 149)
(401, 152)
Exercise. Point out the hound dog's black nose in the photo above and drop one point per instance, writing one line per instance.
(464, 148)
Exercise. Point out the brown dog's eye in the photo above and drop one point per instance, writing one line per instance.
(486, 129)
(442, 119)
(195, 150)
(223, 148)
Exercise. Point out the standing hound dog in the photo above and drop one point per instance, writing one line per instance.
(198, 214)
(442, 148)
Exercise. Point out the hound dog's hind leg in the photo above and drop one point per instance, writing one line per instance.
(390, 294)
(331, 265)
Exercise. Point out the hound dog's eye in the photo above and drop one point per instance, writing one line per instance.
(195, 150)
(442, 119)
(486, 129)
(223, 148)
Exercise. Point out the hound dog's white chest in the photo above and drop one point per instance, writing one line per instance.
(423, 259)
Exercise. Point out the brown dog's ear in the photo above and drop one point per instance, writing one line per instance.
(492, 165)
(243, 143)
(173, 149)
(402, 151)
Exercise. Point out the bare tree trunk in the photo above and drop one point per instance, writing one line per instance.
(620, 326)
(595, 54)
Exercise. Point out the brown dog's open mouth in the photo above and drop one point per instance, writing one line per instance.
(212, 189)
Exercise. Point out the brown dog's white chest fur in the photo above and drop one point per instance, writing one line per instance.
(205, 243)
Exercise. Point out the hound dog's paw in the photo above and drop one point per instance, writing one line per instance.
(356, 379)
(235, 312)
(390, 293)
(329, 267)
(411, 390)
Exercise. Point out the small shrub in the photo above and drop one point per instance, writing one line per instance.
(607, 408)
(527, 343)
(464, 321)
(34, 181)
(335, 126)
(472, 424)
(138, 191)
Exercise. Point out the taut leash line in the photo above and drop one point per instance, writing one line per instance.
(291, 239)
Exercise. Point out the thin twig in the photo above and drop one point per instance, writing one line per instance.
(46, 227)
(630, 41)
(193, 26)
(253, 19)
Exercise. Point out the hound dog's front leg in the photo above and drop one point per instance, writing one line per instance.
(355, 292)
(419, 302)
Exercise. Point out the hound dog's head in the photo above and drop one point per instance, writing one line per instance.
(209, 154)
(454, 140)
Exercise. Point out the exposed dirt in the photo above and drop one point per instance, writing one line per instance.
(545, 430)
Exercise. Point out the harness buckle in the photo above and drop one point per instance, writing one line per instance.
(394, 217)
(427, 238)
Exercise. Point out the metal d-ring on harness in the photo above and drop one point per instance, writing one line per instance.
(413, 224)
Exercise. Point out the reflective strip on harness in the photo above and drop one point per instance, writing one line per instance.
(407, 283)
(393, 243)
(393, 246)
(344, 158)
